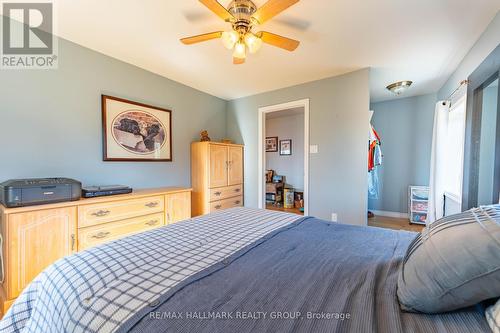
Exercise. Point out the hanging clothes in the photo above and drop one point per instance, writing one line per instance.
(374, 151)
(374, 160)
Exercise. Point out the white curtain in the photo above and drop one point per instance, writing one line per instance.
(438, 162)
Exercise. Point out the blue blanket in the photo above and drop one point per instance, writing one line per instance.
(312, 276)
(240, 270)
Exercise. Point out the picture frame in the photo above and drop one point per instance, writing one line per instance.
(269, 176)
(286, 147)
(272, 144)
(135, 132)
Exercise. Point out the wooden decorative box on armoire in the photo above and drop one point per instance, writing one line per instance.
(217, 176)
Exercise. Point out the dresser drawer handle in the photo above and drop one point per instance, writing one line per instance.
(102, 235)
(218, 207)
(237, 202)
(152, 204)
(152, 222)
(237, 190)
(218, 193)
(101, 213)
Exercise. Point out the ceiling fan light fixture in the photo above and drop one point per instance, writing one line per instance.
(240, 50)
(244, 15)
(229, 39)
(400, 87)
(253, 42)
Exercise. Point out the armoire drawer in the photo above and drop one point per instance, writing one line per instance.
(95, 235)
(225, 204)
(95, 214)
(225, 192)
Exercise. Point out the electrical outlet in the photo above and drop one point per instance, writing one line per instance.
(334, 217)
(313, 149)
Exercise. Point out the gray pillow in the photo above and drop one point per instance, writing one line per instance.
(453, 263)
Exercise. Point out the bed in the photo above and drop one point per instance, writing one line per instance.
(240, 270)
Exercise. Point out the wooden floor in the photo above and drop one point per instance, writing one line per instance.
(287, 210)
(377, 221)
(394, 223)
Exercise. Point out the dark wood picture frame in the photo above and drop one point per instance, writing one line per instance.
(282, 153)
(104, 99)
(275, 138)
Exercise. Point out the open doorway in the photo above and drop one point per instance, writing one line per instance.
(284, 157)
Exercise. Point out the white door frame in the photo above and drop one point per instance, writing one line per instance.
(262, 159)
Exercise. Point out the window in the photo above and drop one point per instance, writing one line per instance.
(455, 149)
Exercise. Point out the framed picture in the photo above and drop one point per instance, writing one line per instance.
(286, 147)
(269, 176)
(135, 132)
(272, 144)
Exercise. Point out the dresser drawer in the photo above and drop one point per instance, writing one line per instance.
(95, 235)
(95, 214)
(225, 192)
(225, 204)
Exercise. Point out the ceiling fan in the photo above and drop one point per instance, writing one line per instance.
(243, 16)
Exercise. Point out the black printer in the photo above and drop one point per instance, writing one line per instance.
(29, 192)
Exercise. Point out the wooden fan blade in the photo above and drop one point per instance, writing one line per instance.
(278, 41)
(201, 38)
(272, 8)
(218, 9)
(238, 61)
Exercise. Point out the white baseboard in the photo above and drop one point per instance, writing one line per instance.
(390, 214)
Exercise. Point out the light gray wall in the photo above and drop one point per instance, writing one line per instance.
(338, 124)
(291, 166)
(405, 126)
(488, 141)
(51, 125)
(51, 120)
(486, 44)
(488, 41)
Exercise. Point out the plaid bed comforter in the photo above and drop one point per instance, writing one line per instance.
(97, 290)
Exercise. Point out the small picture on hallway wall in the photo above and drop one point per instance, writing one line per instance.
(271, 144)
(285, 147)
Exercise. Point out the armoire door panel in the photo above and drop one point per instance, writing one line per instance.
(235, 163)
(218, 165)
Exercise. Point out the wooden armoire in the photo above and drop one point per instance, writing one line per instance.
(217, 176)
